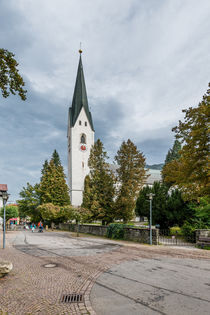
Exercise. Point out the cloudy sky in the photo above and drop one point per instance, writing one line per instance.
(144, 61)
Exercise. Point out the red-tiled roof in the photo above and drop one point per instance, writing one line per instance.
(3, 187)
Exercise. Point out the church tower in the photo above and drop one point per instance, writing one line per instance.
(80, 138)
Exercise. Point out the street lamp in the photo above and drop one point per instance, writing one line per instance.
(150, 195)
(5, 197)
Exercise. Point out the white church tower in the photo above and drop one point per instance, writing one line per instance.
(80, 138)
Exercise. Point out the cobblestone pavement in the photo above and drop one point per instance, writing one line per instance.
(31, 288)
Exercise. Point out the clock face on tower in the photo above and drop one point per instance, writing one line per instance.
(83, 147)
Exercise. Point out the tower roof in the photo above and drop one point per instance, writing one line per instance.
(80, 97)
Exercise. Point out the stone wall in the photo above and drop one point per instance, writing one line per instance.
(131, 234)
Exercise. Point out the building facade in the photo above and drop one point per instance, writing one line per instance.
(80, 138)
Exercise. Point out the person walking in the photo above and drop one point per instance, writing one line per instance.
(33, 227)
(40, 225)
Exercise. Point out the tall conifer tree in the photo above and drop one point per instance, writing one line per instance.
(53, 187)
(56, 158)
(99, 185)
(173, 154)
(131, 174)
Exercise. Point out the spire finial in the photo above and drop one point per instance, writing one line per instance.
(80, 48)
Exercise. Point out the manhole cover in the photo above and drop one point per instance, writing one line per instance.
(50, 265)
(72, 298)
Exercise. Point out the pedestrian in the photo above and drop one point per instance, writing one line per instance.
(33, 227)
(40, 225)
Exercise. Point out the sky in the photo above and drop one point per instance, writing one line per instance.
(144, 61)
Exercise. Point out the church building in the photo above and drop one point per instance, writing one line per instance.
(80, 138)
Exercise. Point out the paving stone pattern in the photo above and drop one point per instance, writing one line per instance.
(33, 289)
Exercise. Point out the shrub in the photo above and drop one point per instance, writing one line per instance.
(175, 230)
(188, 231)
(115, 231)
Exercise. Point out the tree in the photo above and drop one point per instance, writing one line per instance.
(131, 175)
(49, 212)
(142, 204)
(200, 218)
(10, 79)
(53, 187)
(168, 207)
(99, 190)
(177, 208)
(56, 158)
(191, 171)
(30, 200)
(173, 154)
(44, 168)
(11, 212)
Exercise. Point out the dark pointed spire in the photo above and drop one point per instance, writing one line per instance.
(80, 96)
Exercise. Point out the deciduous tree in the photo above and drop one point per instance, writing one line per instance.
(10, 79)
(191, 171)
(30, 200)
(11, 212)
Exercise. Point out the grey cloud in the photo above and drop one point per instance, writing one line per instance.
(143, 61)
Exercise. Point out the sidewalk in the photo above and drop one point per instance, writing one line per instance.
(33, 289)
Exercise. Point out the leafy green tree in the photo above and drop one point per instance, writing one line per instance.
(99, 190)
(131, 175)
(200, 218)
(30, 200)
(53, 187)
(10, 79)
(49, 212)
(11, 212)
(79, 214)
(190, 172)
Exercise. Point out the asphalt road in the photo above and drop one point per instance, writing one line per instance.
(161, 283)
(54, 244)
(154, 286)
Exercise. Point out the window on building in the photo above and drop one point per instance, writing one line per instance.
(80, 123)
(83, 164)
(83, 138)
(86, 123)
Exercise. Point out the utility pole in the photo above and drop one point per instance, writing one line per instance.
(150, 195)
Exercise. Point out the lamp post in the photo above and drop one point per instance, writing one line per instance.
(150, 195)
(5, 197)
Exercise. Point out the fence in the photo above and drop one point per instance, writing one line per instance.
(166, 238)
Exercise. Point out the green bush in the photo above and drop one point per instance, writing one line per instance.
(175, 230)
(115, 231)
(188, 231)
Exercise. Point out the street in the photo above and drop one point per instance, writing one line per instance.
(109, 277)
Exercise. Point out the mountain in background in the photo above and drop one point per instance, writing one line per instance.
(155, 166)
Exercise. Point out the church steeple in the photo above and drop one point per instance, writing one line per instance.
(80, 138)
(80, 97)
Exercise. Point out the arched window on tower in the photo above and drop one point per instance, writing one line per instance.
(83, 138)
